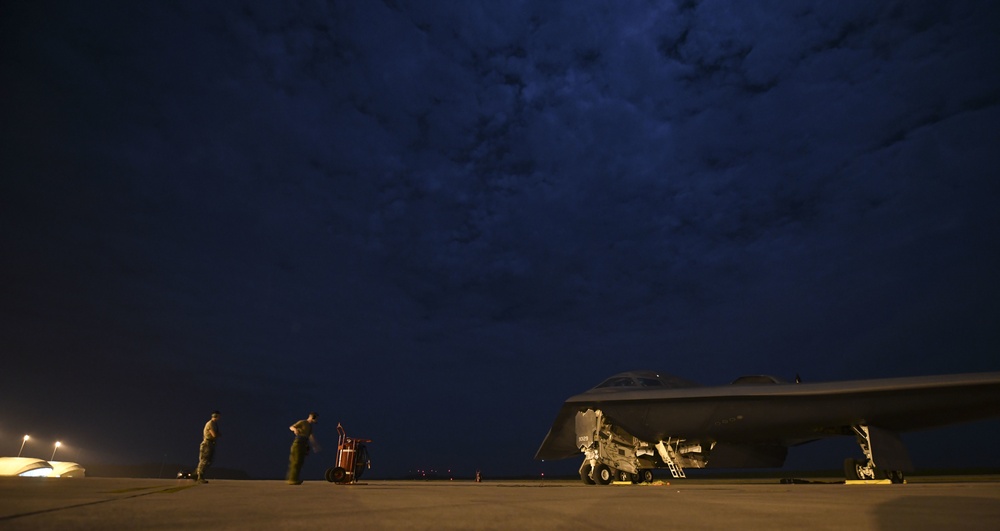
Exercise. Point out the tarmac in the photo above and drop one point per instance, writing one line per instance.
(112, 503)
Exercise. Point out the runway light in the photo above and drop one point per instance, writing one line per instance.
(58, 444)
(22, 445)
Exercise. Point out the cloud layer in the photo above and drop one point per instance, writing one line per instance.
(440, 204)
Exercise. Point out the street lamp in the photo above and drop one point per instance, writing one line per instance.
(58, 444)
(22, 445)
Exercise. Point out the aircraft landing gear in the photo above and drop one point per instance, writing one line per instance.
(585, 472)
(857, 469)
(891, 452)
(610, 453)
(895, 476)
(603, 474)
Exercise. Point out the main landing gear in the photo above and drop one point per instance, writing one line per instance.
(893, 460)
(612, 454)
(605, 475)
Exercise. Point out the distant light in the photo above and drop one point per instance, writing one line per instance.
(22, 445)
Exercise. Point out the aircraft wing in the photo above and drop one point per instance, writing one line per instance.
(779, 413)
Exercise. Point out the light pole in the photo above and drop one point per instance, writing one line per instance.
(22, 445)
(58, 444)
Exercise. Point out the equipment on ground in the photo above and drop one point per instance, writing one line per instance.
(352, 459)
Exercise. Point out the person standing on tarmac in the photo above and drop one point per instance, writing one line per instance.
(304, 438)
(206, 452)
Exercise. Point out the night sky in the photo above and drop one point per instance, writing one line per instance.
(434, 221)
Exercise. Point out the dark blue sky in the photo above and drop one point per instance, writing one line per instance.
(434, 221)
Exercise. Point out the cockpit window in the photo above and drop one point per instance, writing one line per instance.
(618, 381)
(645, 380)
(757, 379)
(624, 381)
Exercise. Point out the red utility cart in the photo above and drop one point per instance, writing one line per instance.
(352, 459)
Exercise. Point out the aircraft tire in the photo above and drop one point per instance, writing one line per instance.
(603, 474)
(645, 476)
(585, 470)
(851, 469)
(895, 476)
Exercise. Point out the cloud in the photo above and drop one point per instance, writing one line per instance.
(518, 184)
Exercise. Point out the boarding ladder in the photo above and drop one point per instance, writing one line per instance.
(667, 454)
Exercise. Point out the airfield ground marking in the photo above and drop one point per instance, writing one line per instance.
(169, 490)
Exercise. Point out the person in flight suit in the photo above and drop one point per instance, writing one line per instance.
(304, 438)
(206, 452)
